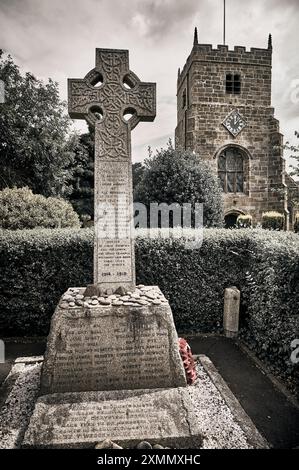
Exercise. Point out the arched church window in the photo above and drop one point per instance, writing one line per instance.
(231, 170)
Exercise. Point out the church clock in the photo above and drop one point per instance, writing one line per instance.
(234, 123)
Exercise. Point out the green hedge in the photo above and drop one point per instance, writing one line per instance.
(273, 220)
(244, 221)
(271, 297)
(194, 280)
(37, 266)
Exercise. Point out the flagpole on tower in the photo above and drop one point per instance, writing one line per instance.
(224, 22)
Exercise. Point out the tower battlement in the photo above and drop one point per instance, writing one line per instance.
(222, 54)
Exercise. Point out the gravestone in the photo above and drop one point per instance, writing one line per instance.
(112, 335)
(231, 311)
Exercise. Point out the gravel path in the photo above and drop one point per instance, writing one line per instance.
(216, 420)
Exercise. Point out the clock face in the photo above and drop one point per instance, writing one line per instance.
(234, 123)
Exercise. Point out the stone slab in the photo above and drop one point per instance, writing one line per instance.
(21, 388)
(82, 419)
(29, 359)
(112, 347)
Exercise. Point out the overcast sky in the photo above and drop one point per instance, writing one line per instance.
(57, 39)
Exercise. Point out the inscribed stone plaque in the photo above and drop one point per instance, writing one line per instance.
(106, 347)
(126, 417)
(114, 244)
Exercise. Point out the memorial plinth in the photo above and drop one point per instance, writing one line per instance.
(112, 343)
(78, 420)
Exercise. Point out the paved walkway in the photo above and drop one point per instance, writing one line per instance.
(276, 417)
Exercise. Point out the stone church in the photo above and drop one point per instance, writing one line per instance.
(224, 114)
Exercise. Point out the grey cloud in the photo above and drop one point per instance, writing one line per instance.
(141, 151)
(162, 16)
(279, 3)
(55, 38)
(168, 100)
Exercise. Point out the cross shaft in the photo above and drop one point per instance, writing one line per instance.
(102, 98)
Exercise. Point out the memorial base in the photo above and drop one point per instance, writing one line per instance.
(84, 419)
(112, 342)
(81, 420)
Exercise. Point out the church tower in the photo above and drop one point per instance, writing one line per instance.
(224, 114)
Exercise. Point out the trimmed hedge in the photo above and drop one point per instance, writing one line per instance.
(271, 297)
(244, 221)
(272, 220)
(37, 266)
(194, 280)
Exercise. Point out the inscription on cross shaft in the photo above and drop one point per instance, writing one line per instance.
(103, 97)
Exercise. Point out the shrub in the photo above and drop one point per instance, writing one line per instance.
(21, 209)
(273, 220)
(244, 221)
(37, 266)
(296, 223)
(180, 176)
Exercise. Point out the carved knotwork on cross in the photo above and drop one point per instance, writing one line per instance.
(104, 95)
(103, 98)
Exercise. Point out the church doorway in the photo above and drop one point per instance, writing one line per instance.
(230, 219)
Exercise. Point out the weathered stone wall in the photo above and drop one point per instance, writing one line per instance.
(205, 106)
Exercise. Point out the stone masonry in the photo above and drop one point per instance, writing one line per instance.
(203, 103)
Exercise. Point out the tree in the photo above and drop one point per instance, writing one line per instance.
(293, 185)
(82, 196)
(36, 147)
(180, 176)
(137, 171)
(294, 149)
(82, 180)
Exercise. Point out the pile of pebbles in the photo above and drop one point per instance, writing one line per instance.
(142, 295)
(108, 444)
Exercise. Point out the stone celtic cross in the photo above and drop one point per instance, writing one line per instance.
(104, 97)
